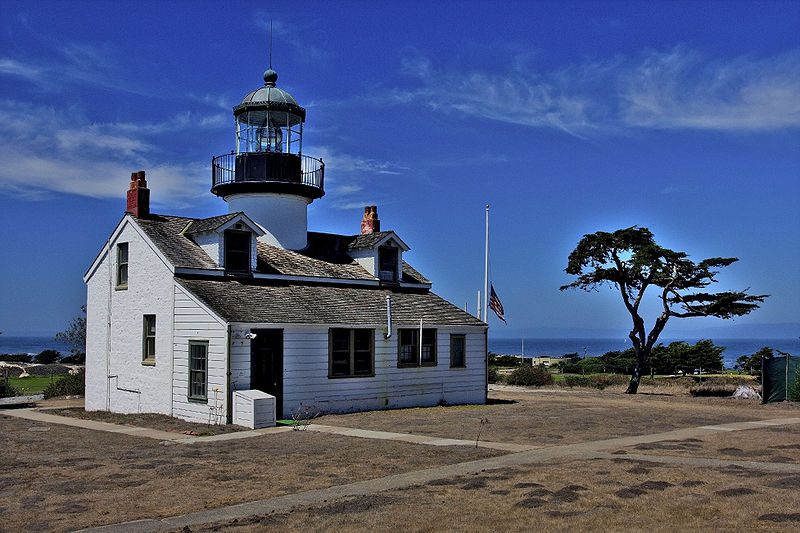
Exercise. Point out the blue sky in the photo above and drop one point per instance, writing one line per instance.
(566, 117)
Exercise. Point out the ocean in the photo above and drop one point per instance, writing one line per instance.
(734, 348)
(533, 347)
(30, 345)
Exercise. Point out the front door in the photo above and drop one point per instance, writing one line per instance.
(266, 365)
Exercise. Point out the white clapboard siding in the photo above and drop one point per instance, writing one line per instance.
(194, 323)
(306, 381)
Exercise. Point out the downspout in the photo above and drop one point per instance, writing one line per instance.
(388, 316)
(108, 325)
(228, 391)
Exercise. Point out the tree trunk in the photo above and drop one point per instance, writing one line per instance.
(636, 377)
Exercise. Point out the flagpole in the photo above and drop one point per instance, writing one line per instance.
(486, 271)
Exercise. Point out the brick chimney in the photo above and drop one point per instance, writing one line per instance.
(370, 224)
(138, 196)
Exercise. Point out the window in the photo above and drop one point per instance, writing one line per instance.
(198, 370)
(457, 351)
(408, 350)
(237, 251)
(351, 353)
(122, 265)
(387, 263)
(149, 339)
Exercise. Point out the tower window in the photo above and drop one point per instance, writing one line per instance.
(237, 251)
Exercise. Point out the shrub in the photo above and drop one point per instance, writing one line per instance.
(6, 389)
(16, 357)
(69, 385)
(719, 390)
(494, 377)
(530, 375)
(576, 381)
(794, 388)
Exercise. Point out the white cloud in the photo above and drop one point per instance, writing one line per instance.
(44, 149)
(682, 89)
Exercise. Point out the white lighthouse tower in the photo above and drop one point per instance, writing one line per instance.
(268, 177)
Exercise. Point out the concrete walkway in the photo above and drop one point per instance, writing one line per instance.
(37, 415)
(585, 450)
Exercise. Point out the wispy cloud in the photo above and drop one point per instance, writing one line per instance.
(353, 181)
(676, 89)
(681, 89)
(515, 97)
(12, 67)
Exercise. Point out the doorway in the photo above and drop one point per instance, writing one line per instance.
(266, 365)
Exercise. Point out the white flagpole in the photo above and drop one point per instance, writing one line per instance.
(486, 271)
(479, 305)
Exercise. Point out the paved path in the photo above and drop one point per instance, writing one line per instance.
(585, 450)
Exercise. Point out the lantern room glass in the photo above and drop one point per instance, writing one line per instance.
(269, 131)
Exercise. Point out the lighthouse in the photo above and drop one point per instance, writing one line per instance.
(267, 176)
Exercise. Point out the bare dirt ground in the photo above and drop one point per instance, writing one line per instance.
(57, 478)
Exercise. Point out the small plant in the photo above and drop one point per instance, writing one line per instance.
(6, 389)
(530, 375)
(483, 422)
(794, 388)
(302, 416)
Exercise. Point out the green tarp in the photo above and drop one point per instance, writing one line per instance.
(777, 376)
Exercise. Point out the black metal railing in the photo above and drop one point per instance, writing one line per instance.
(267, 167)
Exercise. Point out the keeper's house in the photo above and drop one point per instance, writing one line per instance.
(182, 313)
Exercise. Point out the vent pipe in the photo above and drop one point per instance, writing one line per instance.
(388, 316)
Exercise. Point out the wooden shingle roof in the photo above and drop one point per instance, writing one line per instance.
(325, 256)
(256, 301)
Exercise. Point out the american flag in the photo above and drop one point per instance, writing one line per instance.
(495, 305)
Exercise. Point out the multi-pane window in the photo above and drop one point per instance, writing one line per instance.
(122, 265)
(457, 351)
(351, 352)
(387, 263)
(408, 347)
(149, 338)
(198, 370)
(237, 251)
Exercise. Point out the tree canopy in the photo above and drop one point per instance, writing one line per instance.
(75, 338)
(631, 261)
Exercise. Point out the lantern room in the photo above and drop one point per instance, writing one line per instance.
(269, 148)
(267, 176)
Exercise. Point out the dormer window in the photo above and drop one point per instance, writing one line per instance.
(237, 251)
(387, 263)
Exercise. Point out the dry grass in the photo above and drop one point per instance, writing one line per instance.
(57, 478)
(564, 495)
(546, 417)
(76, 478)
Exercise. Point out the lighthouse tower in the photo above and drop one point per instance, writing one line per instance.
(267, 176)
